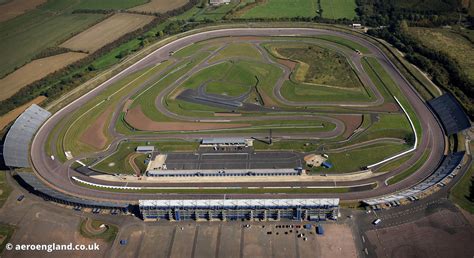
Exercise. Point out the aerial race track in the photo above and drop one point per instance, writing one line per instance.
(430, 138)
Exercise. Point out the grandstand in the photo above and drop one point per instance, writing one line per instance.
(17, 142)
(228, 172)
(226, 141)
(448, 165)
(450, 113)
(239, 209)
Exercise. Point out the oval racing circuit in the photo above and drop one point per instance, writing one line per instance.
(59, 175)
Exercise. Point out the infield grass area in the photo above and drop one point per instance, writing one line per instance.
(306, 92)
(237, 50)
(354, 160)
(399, 177)
(318, 65)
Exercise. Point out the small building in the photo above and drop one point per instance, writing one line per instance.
(226, 142)
(218, 2)
(145, 149)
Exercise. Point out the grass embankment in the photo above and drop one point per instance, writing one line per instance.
(91, 229)
(409, 171)
(354, 160)
(118, 163)
(463, 192)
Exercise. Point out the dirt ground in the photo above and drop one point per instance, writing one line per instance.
(34, 71)
(288, 63)
(94, 134)
(17, 7)
(106, 31)
(159, 6)
(352, 122)
(442, 234)
(140, 121)
(12, 115)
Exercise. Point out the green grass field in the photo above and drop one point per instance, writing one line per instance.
(303, 92)
(353, 160)
(283, 9)
(463, 193)
(108, 235)
(237, 50)
(25, 36)
(337, 9)
(320, 65)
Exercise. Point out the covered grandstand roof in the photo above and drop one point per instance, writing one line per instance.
(240, 203)
(16, 146)
(447, 166)
(451, 114)
(224, 140)
(39, 186)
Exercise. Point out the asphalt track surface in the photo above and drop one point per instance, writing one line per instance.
(58, 176)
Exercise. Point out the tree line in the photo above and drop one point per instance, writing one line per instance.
(444, 71)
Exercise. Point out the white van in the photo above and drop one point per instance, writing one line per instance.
(377, 221)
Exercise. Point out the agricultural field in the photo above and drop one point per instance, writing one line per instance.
(159, 6)
(450, 42)
(25, 36)
(106, 31)
(282, 9)
(338, 9)
(12, 9)
(34, 71)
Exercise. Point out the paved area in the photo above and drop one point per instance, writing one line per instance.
(233, 160)
(234, 239)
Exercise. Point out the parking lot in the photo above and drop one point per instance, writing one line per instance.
(238, 239)
(233, 160)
